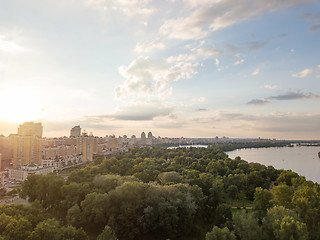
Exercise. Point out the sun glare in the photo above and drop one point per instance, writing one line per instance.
(20, 105)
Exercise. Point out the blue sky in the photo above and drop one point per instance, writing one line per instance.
(176, 67)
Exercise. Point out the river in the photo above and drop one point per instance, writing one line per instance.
(301, 159)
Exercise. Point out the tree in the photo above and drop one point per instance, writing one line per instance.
(289, 228)
(50, 229)
(75, 217)
(106, 234)
(283, 195)
(71, 233)
(262, 201)
(246, 226)
(223, 214)
(274, 214)
(220, 234)
(287, 176)
(105, 183)
(307, 203)
(45, 188)
(18, 229)
(232, 191)
(169, 178)
(94, 209)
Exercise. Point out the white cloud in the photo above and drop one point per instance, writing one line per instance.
(182, 28)
(304, 73)
(261, 101)
(270, 86)
(128, 7)
(200, 99)
(256, 72)
(212, 15)
(146, 47)
(139, 111)
(9, 46)
(239, 62)
(182, 57)
(202, 43)
(292, 50)
(319, 66)
(195, 53)
(207, 52)
(217, 62)
(146, 76)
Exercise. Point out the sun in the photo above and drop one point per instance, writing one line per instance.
(20, 105)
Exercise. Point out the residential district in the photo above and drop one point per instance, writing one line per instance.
(27, 152)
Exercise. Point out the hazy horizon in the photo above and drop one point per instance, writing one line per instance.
(175, 68)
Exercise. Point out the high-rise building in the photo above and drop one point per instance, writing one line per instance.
(112, 142)
(26, 150)
(149, 139)
(6, 151)
(143, 138)
(75, 131)
(88, 144)
(27, 144)
(133, 140)
(30, 129)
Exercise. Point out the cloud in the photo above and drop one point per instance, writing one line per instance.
(304, 73)
(287, 96)
(269, 86)
(146, 76)
(256, 72)
(207, 52)
(9, 46)
(139, 112)
(200, 99)
(127, 7)
(182, 57)
(217, 62)
(319, 66)
(239, 62)
(315, 19)
(222, 116)
(261, 101)
(195, 54)
(283, 35)
(256, 45)
(209, 16)
(146, 47)
(290, 125)
(201, 109)
(295, 96)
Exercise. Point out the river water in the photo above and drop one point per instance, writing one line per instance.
(300, 159)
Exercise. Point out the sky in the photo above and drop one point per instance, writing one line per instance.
(177, 68)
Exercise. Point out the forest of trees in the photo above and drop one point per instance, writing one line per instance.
(158, 193)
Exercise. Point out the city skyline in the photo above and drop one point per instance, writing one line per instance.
(175, 68)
